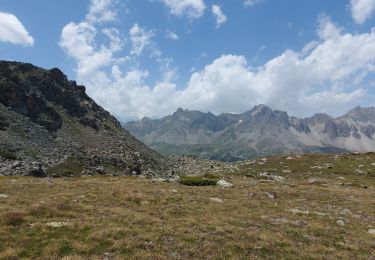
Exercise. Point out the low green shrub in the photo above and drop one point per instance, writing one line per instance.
(197, 181)
(8, 154)
(4, 124)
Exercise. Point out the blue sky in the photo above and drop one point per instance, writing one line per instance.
(149, 57)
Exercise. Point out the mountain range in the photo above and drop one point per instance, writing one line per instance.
(260, 131)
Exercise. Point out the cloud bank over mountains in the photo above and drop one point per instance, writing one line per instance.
(325, 75)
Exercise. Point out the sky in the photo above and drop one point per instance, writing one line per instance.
(150, 57)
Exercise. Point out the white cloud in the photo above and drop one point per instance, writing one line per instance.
(140, 39)
(78, 41)
(362, 10)
(324, 76)
(13, 31)
(190, 8)
(100, 11)
(249, 3)
(116, 41)
(171, 35)
(327, 29)
(219, 15)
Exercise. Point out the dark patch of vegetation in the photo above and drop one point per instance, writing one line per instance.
(8, 154)
(198, 181)
(70, 167)
(14, 218)
(37, 172)
(4, 124)
(50, 119)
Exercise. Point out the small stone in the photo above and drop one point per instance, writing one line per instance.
(56, 224)
(373, 164)
(371, 231)
(314, 181)
(289, 158)
(271, 176)
(270, 195)
(340, 223)
(320, 213)
(346, 212)
(3, 196)
(217, 200)
(298, 211)
(174, 190)
(224, 184)
(16, 164)
(100, 169)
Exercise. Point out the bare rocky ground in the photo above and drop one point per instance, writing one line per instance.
(296, 207)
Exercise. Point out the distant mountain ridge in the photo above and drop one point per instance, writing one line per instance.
(260, 131)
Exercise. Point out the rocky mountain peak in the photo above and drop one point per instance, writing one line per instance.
(261, 110)
(362, 114)
(319, 118)
(42, 94)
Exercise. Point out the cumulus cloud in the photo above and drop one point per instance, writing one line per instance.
(13, 31)
(78, 42)
(171, 35)
(116, 41)
(219, 15)
(140, 39)
(362, 10)
(324, 76)
(190, 8)
(327, 29)
(249, 3)
(101, 11)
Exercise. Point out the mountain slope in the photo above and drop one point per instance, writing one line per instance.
(258, 132)
(49, 125)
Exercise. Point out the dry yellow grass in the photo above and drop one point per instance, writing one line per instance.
(133, 217)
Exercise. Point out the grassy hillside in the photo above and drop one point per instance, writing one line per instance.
(291, 208)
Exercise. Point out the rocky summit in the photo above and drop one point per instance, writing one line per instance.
(258, 132)
(50, 127)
